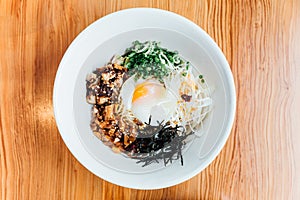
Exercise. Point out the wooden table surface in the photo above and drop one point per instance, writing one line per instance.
(261, 159)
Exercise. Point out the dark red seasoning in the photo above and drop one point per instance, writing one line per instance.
(186, 98)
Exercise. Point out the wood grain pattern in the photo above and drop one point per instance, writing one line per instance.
(260, 39)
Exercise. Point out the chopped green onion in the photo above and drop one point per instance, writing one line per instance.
(149, 59)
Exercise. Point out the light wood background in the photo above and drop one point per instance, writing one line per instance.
(261, 159)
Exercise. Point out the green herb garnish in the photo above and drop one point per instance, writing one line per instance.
(201, 78)
(149, 59)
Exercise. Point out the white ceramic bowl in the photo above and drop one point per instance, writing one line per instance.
(111, 35)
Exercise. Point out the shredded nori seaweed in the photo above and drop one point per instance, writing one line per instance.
(160, 142)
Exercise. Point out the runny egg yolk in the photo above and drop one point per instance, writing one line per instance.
(139, 92)
(147, 90)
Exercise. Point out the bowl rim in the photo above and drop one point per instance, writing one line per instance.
(84, 159)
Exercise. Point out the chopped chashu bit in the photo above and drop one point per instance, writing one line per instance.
(102, 100)
(116, 140)
(91, 99)
(106, 77)
(103, 86)
(138, 122)
(186, 98)
(109, 115)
